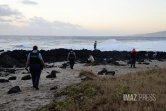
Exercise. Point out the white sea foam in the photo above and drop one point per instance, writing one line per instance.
(112, 44)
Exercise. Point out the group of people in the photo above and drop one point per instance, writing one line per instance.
(36, 64)
(72, 57)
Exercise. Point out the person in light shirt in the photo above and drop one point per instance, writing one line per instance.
(90, 60)
(36, 64)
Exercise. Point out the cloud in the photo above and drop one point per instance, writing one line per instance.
(39, 21)
(28, 2)
(40, 26)
(5, 20)
(59, 24)
(5, 10)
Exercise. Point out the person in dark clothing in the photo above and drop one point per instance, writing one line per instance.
(95, 44)
(36, 64)
(133, 58)
(71, 58)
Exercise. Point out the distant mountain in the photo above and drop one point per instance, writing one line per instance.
(155, 34)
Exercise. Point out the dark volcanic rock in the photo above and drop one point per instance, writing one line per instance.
(110, 73)
(12, 78)
(49, 66)
(113, 61)
(52, 75)
(3, 80)
(116, 63)
(1, 69)
(15, 89)
(10, 71)
(64, 65)
(161, 60)
(18, 57)
(27, 77)
(145, 63)
(4, 74)
(54, 88)
(8, 62)
(1, 50)
(102, 71)
(54, 71)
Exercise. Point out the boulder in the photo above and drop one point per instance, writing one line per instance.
(110, 73)
(49, 66)
(27, 77)
(115, 63)
(64, 65)
(12, 78)
(52, 75)
(3, 80)
(54, 88)
(145, 63)
(15, 89)
(54, 71)
(161, 60)
(103, 71)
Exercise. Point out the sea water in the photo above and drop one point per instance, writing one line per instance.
(104, 43)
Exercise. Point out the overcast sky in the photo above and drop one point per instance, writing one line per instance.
(81, 17)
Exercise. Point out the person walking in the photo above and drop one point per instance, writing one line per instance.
(71, 58)
(133, 57)
(36, 64)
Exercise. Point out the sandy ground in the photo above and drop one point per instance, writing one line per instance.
(30, 98)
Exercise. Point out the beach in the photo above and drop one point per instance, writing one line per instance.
(30, 98)
(118, 49)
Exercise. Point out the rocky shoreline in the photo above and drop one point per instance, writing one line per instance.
(17, 58)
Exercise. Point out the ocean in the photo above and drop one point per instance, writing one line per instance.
(104, 43)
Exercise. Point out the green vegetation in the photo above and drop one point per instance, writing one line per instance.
(106, 93)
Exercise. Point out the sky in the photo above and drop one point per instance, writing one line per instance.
(82, 17)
